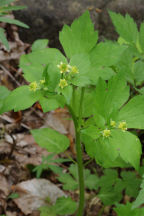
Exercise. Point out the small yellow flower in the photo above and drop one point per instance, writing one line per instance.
(112, 123)
(64, 67)
(106, 133)
(33, 86)
(63, 83)
(123, 126)
(42, 81)
(74, 70)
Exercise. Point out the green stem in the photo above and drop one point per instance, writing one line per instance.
(77, 124)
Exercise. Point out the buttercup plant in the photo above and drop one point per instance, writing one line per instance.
(91, 81)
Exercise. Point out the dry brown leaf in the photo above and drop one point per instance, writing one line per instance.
(4, 186)
(60, 121)
(33, 194)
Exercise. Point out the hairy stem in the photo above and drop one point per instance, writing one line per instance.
(77, 123)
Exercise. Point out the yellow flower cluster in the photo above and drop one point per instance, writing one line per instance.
(63, 83)
(67, 72)
(64, 68)
(74, 70)
(122, 125)
(112, 123)
(34, 86)
(106, 133)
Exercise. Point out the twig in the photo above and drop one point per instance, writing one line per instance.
(13, 145)
(9, 74)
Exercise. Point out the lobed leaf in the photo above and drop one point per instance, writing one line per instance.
(39, 44)
(64, 206)
(106, 54)
(128, 211)
(80, 37)
(111, 96)
(125, 26)
(133, 112)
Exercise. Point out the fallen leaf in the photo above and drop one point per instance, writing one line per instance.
(35, 193)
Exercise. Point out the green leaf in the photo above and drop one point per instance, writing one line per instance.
(106, 54)
(20, 99)
(65, 206)
(53, 77)
(88, 101)
(33, 64)
(39, 44)
(13, 196)
(50, 139)
(111, 96)
(13, 21)
(141, 36)
(91, 180)
(128, 211)
(82, 62)
(111, 187)
(4, 92)
(5, 2)
(139, 72)
(131, 183)
(52, 102)
(140, 198)
(80, 37)
(12, 8)
(47, 211)
(48, 163)
(100, 72)
(124, 65)
(67, 92)
(109, 178)
(3, 38)
(108, 150)
(92, 131)
(109, 196)
(125, 26)
(133, 112)
(32, 71)
(69, 183)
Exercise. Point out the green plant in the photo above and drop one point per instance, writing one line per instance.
(93, 81)
(50, 163)
(5, 8)
(128, 211)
